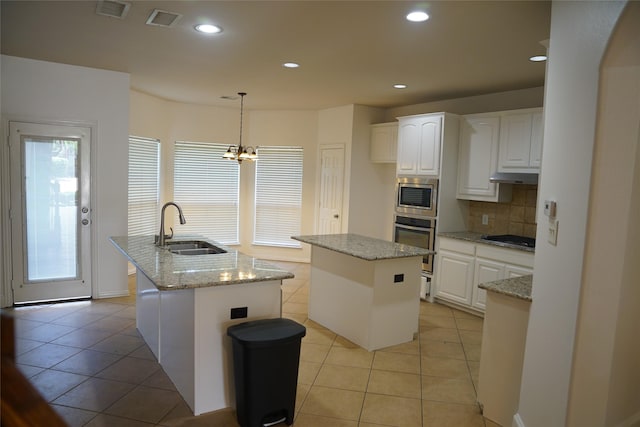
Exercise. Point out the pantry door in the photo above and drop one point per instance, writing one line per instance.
(50, 212)
(331, 189)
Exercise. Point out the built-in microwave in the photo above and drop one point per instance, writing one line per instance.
(417, 196)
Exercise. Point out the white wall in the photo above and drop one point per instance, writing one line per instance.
(173, 121)
(605, 387)
(579, 34)
(38, 90)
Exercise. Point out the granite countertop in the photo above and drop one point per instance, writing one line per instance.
(517, 287)
(170, 271)
(363, 247)
(474, 237)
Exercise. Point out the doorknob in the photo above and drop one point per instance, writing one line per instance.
(336, 216)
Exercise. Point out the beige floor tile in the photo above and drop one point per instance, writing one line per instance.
(343, 342)
(391, 411)
(300, 318)
(435, 309)
(47, 332)
(46, 355)
(52, 384)
(308, 420)
(299, 298)
(432, 321)
(333, 403)
(444, 367)
(145, 404)
(489, 423)
(130, 370)
(448, 390)
(394, 384)
(472, 352)
(343, 377)
(119, 344)
(459, 314)
(471, 337)
(439, 414)
(315, 325)
(356, 357)
(313, 352)
(319, 336)
(106, 420)
(411, 347)
(302, 390)
(440, 334)
(470, 324)
(94, 394)
(82, 338)
(307, 372)
(474, 368)
(295, 307)
(397, 362)
(453, 350)
(88, 362)
(74, 416)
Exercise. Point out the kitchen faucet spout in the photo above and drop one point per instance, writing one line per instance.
(160, 239)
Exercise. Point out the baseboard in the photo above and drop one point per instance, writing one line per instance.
(517, 421)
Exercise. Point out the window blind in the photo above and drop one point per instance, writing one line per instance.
(206, 187)
(278, 200)
(144, 187)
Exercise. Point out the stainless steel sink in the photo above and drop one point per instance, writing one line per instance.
(193, 247)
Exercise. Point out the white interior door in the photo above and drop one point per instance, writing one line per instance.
(331, 190)
(50, 212)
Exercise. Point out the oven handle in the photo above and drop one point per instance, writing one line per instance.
(411, 227)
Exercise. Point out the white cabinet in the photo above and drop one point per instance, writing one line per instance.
(419, 142)
(461, 266)
(478, 159)
(520, 141)
(384, 143)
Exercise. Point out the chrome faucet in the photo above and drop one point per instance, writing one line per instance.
(160, 238)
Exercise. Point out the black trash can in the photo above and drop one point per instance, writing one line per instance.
(266, 354)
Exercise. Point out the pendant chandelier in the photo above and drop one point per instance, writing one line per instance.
(240, 152)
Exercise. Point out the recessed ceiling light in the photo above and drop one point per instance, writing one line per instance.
(400, 86)
(208, 28)
(290, 65)
(538, 58)
(417, 16)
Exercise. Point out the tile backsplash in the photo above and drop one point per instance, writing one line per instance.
(515, 217)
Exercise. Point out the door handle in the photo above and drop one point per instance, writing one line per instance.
(336, 216)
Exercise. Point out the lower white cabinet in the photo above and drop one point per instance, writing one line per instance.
(462, 265)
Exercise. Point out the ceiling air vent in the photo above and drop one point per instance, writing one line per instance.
(162, 18)
(113, 8)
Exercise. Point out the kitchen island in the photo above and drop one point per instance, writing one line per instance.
(184, 305)
(365, 289)
(504, 335)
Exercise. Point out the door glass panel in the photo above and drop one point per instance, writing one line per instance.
(51, 208)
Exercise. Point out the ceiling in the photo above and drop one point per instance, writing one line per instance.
(350, 52)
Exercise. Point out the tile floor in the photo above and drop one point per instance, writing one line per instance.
(89, 362)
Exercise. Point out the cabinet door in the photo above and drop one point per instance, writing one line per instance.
(454, 276)
(429, 151)
(478, 158)
(535, 153)
(515, 141)
(384, 143)
(408, 146)
(485, 271)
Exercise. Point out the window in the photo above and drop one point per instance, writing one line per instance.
(144, 188)
(206, 187)
(278, 196)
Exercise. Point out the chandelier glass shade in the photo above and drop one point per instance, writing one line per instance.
(240, 152)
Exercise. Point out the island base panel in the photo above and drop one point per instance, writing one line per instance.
(200, 363)
(375, 304)
(148, 311)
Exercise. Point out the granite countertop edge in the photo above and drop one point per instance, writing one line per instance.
(517, 287)
(475, 237)
(363, 247)
(170, 272)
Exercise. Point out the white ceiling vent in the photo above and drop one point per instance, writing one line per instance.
(162, 18)
(113, 8)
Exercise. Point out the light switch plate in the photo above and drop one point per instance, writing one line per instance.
(552, 233)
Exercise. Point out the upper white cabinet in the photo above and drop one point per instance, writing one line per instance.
(520, 141)
(384, 143)
(478, 158)
(419, 142)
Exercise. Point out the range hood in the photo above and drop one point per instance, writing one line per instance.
(514, 178)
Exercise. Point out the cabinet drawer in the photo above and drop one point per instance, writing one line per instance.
(457, 246)
(507, 256)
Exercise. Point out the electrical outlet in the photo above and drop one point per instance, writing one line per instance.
(485, 219)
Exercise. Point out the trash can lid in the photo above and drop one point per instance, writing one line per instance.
(266, 331)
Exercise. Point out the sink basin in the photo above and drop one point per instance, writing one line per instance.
(194, 247)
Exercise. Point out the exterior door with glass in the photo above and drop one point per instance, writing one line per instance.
(50, 212)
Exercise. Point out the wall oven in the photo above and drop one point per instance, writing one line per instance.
(419, 232)
(417, 196)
